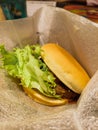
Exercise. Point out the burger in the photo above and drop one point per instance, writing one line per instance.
(49, 74)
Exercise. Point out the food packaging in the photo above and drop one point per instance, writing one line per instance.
(77, 35)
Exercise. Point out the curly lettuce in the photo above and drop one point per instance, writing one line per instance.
(27, 65)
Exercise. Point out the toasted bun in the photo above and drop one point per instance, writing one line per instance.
(65, 67)
(38, 97)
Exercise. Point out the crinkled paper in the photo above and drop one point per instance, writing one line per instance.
(77, 35)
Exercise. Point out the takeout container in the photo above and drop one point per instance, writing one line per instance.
(77, 35)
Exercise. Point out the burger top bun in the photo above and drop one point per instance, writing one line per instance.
(65, 67)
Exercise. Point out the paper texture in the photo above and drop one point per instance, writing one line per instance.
(77, 35)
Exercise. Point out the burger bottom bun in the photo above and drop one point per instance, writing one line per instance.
(38, 97)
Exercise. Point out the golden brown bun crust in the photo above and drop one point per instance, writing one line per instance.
(65, 67)
(36, 96)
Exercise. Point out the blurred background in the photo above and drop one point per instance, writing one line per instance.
(16, 9)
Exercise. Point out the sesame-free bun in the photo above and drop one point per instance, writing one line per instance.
(65, 67)
(40, 98)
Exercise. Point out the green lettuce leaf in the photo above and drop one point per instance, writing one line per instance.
(27, 65)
